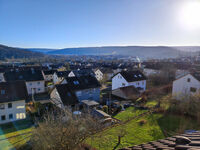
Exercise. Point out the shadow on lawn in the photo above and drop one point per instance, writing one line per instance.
(15, 126)
(171, 124)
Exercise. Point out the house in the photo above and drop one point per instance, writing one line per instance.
(82, 72)
(100, 74)
(126, 93)
(2, 79)
(129, 78)
(149, 72)
(74, 90)
(85, 87)
(59, 76)
(63, 96)
(12, 101)
(186, 85)
(33, 78)
(48, 74)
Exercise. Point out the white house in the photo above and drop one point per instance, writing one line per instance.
(33, 78)
(129, 78)
(2, 77)
(12, 101)
(48, 74)
(186, 85)
(59, 76)
(98, 74)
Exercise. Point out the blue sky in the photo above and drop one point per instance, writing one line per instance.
(78, 23)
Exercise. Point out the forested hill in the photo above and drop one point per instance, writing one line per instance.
(10, 52)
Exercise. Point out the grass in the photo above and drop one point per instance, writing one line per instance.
(129, 113)
(15, 135)
(156, 126)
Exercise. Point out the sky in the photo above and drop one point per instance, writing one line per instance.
(86, 23)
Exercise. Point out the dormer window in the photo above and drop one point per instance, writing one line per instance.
(76, 82)
(3, 92)
(135, 76)
(68, 94)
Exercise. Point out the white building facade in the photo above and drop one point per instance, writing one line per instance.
(185, 86)
(119, 81)
(12, 111)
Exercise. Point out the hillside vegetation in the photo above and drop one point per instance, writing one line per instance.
(10, 52)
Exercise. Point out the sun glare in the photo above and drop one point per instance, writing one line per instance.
(189, 15)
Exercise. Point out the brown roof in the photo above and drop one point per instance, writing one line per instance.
(187, 141)
(127, 92)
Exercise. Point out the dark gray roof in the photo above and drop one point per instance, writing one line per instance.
(188, 141)
(28, 75)
(196, 75)
(132, 76)
(63, 73)
(49, 72)
(83, 82)
(67, 96)
(83, 72)
(13, 91)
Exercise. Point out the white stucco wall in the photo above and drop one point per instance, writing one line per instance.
(37, 85)
(18, 110)
(2, 77)
(55, 99)
(181, 87)
(118, 81)
(99, 75)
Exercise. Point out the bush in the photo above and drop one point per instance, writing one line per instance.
(142, 122)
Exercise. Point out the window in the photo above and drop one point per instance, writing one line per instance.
(30, 83)
(10, 116)
(3, 117)
(188, 80)
(38, 83)
(76, 82)
(68, 94)
(192, 89)
(78, 93)
(123, 84)
(9, 105)
(3, 92)
(2, 106)
(38, 89)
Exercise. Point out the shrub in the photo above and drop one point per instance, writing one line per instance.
(142, 122)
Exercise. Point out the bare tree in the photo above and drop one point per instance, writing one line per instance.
(61, 130)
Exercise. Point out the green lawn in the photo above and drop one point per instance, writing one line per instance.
(156, 126)
(14, 135)
(129, 113)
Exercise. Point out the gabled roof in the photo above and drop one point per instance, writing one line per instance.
(127, 92)
(13, 91)
(67, 96)
(131, 76)
(196, 75)
(83, 72)
(83, 82)
(28, 75)
(63, 73)
(49, 72)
